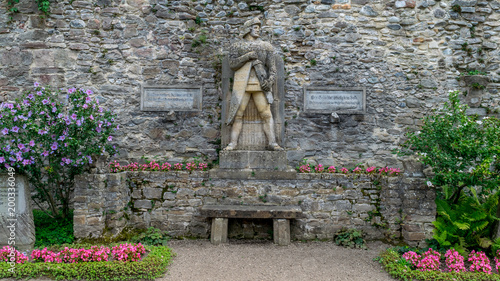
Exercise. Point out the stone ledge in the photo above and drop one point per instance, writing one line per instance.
(251, 212)
(253, 174)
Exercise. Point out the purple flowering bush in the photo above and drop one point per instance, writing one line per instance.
(50, 137)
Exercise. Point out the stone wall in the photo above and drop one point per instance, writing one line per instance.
(406, 53)
(390, 208)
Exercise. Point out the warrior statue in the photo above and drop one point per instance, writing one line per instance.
(254, 63)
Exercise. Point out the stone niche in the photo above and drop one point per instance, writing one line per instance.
(252, 135)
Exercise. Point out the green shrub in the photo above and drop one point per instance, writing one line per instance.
(351, 238)
(52, 231)
(152, 266)
(152, 236)
(468, 224)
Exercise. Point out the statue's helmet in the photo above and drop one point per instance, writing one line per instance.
(247, 26)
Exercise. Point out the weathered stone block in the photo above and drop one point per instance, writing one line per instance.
(281, 232)
(219, 231)
(143, 204)
(152, 193)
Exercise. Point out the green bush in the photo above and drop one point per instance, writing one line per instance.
(152, 236)
(467, 224)
(398, 268)
(351, 238)
(52, 231)
(152, 266)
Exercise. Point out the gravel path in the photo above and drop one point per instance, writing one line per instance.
(262, 260)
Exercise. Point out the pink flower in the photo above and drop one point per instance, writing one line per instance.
(110, 138)
(331, 169)
(319, 168)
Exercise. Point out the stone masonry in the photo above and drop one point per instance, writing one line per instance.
(389, 208)
(407, 54)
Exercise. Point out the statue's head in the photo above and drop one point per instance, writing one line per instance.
(251, 27)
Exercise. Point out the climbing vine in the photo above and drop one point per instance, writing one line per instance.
(43, 6)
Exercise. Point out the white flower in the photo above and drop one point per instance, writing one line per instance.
(479, 122)
(429, 184)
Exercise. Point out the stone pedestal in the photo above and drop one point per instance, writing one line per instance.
(244, 159)
(16, 217)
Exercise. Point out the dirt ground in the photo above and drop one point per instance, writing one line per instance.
(198, 260)
(262, 260)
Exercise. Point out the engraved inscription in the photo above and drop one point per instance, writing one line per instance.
(19, 205)
(168, 99)
(334, 100)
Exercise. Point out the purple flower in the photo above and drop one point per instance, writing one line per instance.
(26, 102)
(89, 92)
(26, 162)
(73, 116)
(2, 160)
(36, 84)
(91, 117)
(45, 153)
(54, 146)
(72, 90)
(88, 99)
(32, 143)
(98, 129)
(9, 105)
(21, 146)
(60, 115)
(110, 138)
(29, 113)
(31, 96)
(42, 112)
(85, 106)
(61, 138)
(45, 101)
(78, 123)
(15, 129)
(39, 93)
(54, 109)
(5, 131)
(42, 132)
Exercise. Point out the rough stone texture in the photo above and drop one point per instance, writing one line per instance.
(16, 222)
(102, 208)
(389, 208)
(407, 57)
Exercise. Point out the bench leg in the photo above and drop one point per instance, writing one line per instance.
(281, 232)
(219, 231)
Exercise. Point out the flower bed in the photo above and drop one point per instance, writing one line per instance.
(428, 266)
(122, 262)
(320, 168)
(115, 167)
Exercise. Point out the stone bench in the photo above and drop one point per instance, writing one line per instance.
(281, 216)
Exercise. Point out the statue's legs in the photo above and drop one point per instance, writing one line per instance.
(238, 122)
(264, 109)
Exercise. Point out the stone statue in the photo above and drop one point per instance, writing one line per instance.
(254, 64)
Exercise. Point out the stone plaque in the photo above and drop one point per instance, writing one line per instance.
(171, 98)
(335, 100)
(16, 217)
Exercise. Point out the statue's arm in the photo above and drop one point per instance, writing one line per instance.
(236, 62)
(272, 70)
